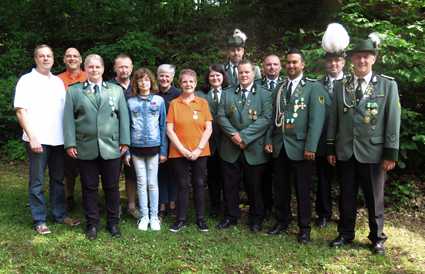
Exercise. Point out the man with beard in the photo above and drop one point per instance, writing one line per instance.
(298, 118)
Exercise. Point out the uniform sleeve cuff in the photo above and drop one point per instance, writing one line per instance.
(390, 154)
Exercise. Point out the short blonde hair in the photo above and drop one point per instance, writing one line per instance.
(189, 72)
(91, 57)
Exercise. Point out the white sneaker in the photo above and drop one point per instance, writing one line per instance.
(143, 223)
(155, 224)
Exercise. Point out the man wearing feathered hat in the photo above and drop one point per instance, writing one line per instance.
(363, 140)
(235, 54)
(335, 41)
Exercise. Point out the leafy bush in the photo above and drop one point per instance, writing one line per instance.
(401, 192)
(9, 127)
(142, 47)
(412, 141)
(14, 150)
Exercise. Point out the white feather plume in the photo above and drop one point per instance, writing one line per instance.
(240, 34)
(335, 39)
(376, 38)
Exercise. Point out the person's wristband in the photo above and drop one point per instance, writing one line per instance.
(201, 148)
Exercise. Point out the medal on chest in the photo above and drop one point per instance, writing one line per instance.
(299, 104)
(371, 113)
(195, 115)
(252, 114)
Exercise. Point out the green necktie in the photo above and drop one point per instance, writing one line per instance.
(97, 94)
(359, 92)
(243, 97)
(215, 96)
(288, 92)
(234, 73)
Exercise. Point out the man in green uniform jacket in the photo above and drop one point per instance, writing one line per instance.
(363, 140)
(97, 133)
(271, 79)
(334, 65)
(298, 118)
(244, 114)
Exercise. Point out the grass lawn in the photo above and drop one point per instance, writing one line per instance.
(232, 251)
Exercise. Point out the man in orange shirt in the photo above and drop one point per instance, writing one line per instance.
(73, 74)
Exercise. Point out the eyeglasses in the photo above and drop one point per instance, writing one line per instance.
(72, 56)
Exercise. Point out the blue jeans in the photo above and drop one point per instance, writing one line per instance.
(146, 168)
(53, 158)
(167, 183)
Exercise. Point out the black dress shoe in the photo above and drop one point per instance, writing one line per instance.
(378, 248)
(322, 222)
(114, 231)
(226, 223)
(177, 226)
(255, 228)
(91, 233)
(277, 229)
(340, 241)
(202, 225)
(304, 237)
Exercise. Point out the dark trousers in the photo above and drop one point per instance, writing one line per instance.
(253, 175)
(215, 182)
(371, 178)
(325, 174)
(109, 171)
(166, 183)
(267, 187)
(302, 172)
(190, 172)
(71, 173)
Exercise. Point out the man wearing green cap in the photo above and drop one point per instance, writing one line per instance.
(235, 54)
(363, 141)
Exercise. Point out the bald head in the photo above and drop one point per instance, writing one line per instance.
(272, 66)
(72, 59)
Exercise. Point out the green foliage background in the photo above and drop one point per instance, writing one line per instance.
(192, 34)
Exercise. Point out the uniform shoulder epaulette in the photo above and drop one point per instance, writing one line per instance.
(388, 77)
(311, 79)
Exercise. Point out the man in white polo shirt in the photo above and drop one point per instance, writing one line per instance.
(39, 103)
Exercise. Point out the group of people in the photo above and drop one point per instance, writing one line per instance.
(263, 134)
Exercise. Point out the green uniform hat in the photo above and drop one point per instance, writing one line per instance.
(335, 40)
(364, 45)
(237, 40)
(367, 45)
